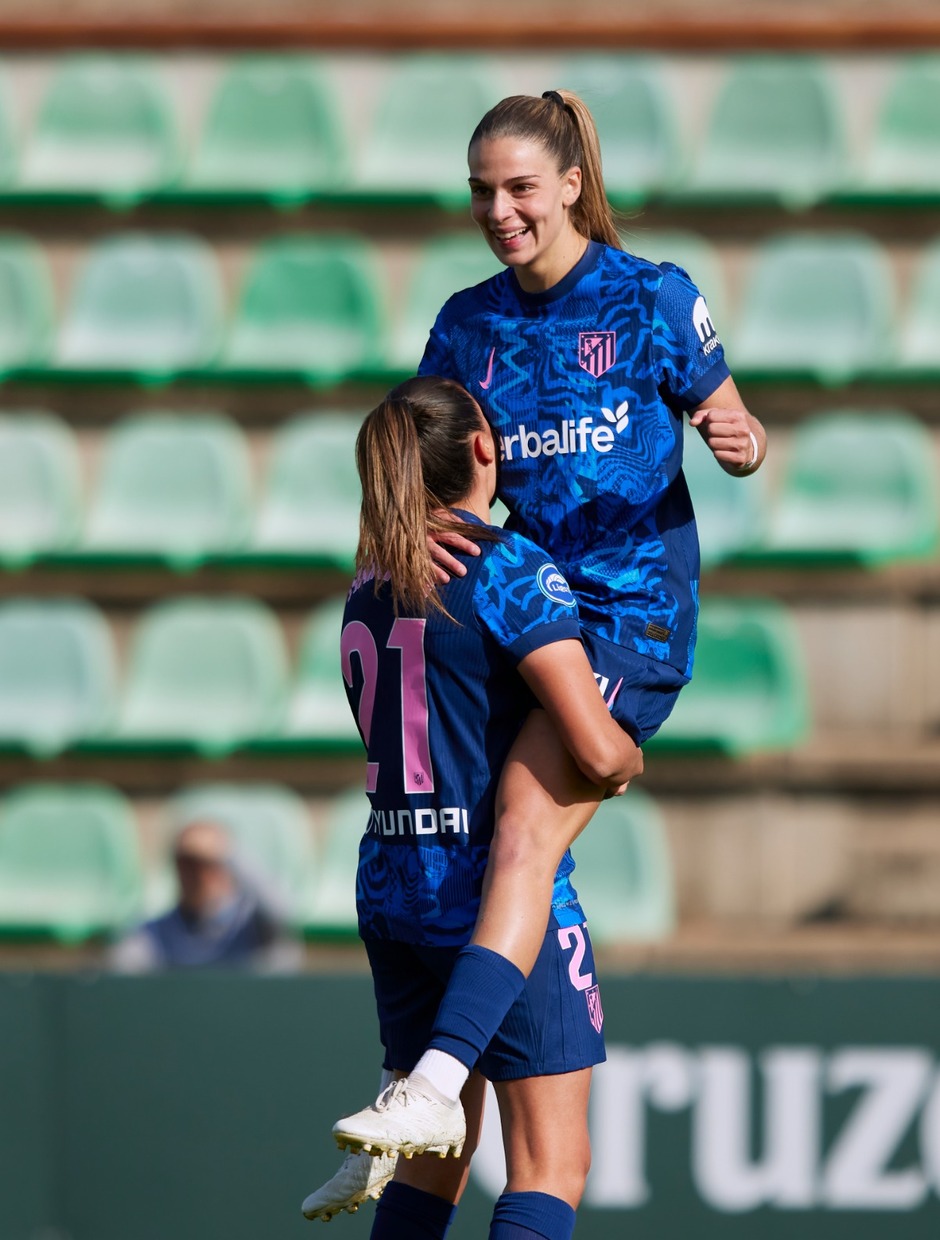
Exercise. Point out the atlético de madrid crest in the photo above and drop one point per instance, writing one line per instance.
(597, 351)
(595, 1011)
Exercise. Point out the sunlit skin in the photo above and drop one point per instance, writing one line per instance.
(521, 203)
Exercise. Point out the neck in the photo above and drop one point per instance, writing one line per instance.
(478, 501)
(552, 268)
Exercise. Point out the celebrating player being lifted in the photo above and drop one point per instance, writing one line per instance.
(584, 359)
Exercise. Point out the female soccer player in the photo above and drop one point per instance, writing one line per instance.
(584, 359)
(441, 679)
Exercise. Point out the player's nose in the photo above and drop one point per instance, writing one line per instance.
(500, 207)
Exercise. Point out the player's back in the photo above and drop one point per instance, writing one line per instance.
(439, 703)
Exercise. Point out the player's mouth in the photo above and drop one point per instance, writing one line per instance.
(509, 239)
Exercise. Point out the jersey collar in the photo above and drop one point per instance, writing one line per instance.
(586, 263)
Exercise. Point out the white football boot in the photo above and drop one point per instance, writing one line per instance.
(408, 1117)
(359, 1178)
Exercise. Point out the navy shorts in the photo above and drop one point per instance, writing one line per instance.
(556, 1024)
(639, 691)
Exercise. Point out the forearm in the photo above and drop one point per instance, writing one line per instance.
(561, 678)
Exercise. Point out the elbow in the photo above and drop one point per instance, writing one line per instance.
(611, 766)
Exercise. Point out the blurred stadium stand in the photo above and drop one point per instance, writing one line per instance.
(212, 263)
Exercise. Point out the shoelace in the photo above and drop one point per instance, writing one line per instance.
(397, 1090)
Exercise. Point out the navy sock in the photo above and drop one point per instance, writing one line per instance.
(407, 1213)
(531, 1216)
(480, 991)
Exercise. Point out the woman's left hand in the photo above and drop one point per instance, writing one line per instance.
(734, 436)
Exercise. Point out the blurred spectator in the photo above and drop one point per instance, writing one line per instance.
(222, 917)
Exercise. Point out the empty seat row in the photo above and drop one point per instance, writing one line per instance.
(214, 674)
(318, 307)
(71, 866)
(207, 673)
(283, 126)
(855, 488)
(178, 487)
(71, 863)
(152, 306)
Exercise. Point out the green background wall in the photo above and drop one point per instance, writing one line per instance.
(177, 1108)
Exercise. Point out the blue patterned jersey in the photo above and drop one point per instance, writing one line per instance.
(586, 384)
(439, 704)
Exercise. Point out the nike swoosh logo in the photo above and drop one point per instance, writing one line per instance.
(485, 383)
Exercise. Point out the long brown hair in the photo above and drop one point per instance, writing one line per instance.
(415, 459)
(562, 124)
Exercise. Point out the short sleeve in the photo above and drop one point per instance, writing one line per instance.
(437, 359)
(522, 599)
(689, 356)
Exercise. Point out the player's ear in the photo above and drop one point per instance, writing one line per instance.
(571, 187)
(484, 447)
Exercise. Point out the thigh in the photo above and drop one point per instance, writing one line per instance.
(545, 1133)
(542, 794)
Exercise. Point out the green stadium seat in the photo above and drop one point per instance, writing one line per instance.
(635, 116)
(442, 267)
(748, 692)
(860, 488)
(692, 252)
(776, 132)
(331, 910)
(57, 673)
(40, 487)
(272, 129)
(69, 861)
(427, 108)
(143, 304)
(623, 872)
(903, 154)
(106, 127)
(175, 486)
(26, 304)
(272, 832)
(310, 501)
(731, 513)
(817, 304)
(206, 673)
(919, 334)
(318, 709)
(309, 306)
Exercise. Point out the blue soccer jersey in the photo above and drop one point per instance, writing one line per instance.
(586, 384)
(439, 704)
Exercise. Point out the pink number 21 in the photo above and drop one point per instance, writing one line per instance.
(407, 636)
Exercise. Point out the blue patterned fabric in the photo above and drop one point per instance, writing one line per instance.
(439, 703)
(585, 385)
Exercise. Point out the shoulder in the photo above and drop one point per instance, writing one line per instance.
(626, 265)
(477, 297)
(514, 558)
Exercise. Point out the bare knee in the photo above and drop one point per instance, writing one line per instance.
(560, 1173)
(516, 842)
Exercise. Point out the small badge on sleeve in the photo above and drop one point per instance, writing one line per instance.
(553, 586)
(656, 632)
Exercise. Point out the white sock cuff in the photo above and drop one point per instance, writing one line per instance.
(443, 1072)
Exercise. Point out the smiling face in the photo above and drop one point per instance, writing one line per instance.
(521, 203)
